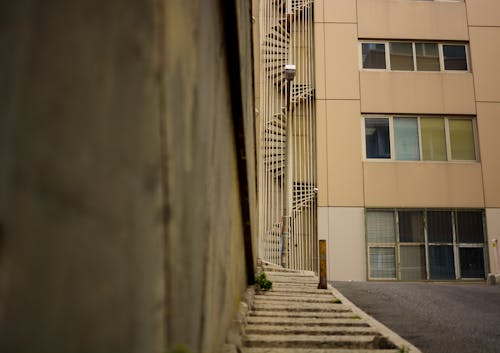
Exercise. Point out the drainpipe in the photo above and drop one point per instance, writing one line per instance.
(290, 71)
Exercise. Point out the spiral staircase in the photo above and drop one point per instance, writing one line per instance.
(287, 37)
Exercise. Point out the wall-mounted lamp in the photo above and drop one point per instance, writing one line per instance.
(290, 71)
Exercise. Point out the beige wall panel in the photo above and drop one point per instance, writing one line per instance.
(412, 19)
(346, 244)
(319, 59)
(321, 153)
(323, 223)
(423, 184)
(417, 92)
(485, 51)
(483, 12)
(345, 168)
(493, 229)
(488, 121)
(341, 61)
(318, 10)
(340, 11)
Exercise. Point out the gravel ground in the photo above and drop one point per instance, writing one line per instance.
(435, 317)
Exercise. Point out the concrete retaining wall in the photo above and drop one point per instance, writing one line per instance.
(126, 211)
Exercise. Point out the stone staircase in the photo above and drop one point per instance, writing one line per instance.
(295, 316)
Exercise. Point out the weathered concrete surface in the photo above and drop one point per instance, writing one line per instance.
(127, 175)
(295, 315)
(317, 350)
(80, 183)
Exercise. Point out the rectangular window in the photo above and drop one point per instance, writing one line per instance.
(470, 227)
(427, 55)
(441, 262)
(406, 139)
(439, 227)
(462, 139)
(410, 56)
(420, 138)
(413, 245)
(454, 57)
(380, 227)
(377, 138)
(382, 262)
(472, 262)
(412, 259)
(373, 55)
(433, 139)
(411, 226)
(401, 54)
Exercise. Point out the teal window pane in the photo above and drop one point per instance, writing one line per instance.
(406, 139)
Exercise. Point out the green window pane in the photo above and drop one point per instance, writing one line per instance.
(433, 139)
(406, 139)
(401, 56)
(462, 139)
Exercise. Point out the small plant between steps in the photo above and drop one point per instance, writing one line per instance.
(262, 282)
(404, 349)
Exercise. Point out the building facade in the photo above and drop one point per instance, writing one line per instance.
(407, 109)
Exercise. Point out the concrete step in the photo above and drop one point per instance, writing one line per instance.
(315, 350)
(298, 290)
(310, 341)
(290, 274)
(293, 280)
(295, 294)
(318, 315)
(306, 321)
(307, 330)
(295, 299)
(297, 306)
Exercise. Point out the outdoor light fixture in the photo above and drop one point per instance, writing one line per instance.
(290, 71)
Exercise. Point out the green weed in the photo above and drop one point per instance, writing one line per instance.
(262, 282)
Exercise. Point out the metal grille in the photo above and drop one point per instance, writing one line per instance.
(287, 183)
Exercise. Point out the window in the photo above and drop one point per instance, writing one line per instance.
(462, 139)
(401, 56)
(427, 56)
(433, 139)
(441, 262)
(414, 56)
(470, 227)
(377, 138)
(454, 57)
(373, 55)
(406, 138)
(411, 226)
(426, 138)
(439, 227)
(412, 263)
(411, 245)
(381, 232)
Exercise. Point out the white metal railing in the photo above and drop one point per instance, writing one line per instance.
(286, 28)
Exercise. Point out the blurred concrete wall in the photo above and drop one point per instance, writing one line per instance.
(127, 184)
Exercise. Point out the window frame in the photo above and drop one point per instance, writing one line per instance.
(418, 117)
(455, 244)
(388, 65)
(441, 55)
(360, 54)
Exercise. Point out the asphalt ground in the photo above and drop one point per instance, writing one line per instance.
(435, 317)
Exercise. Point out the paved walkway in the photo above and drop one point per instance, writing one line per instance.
(435, 317)
(297, 317)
